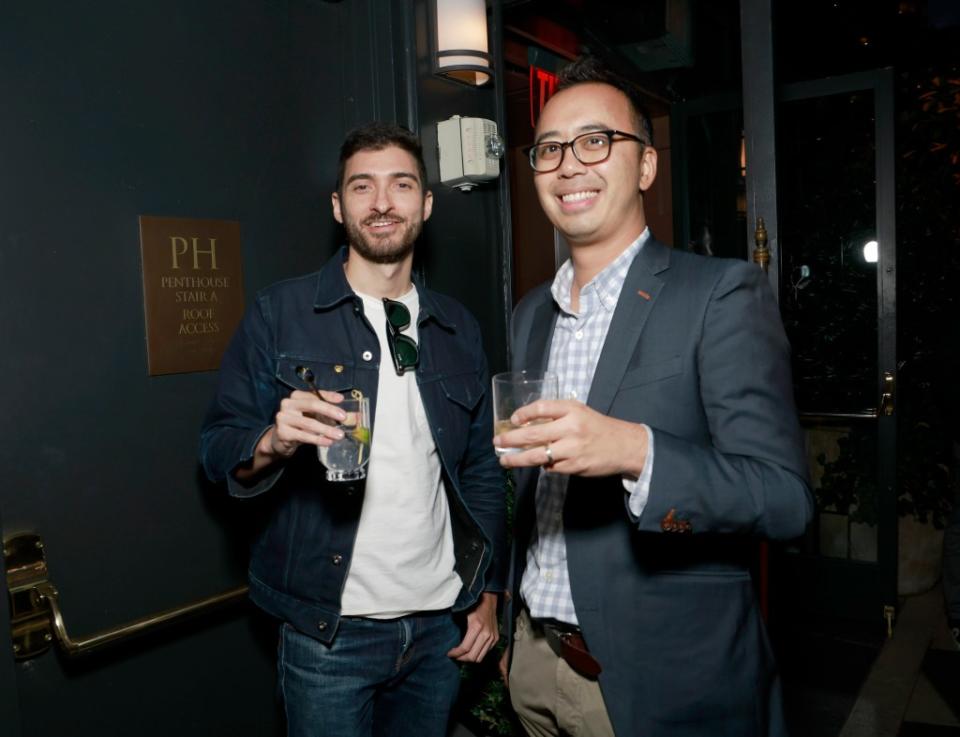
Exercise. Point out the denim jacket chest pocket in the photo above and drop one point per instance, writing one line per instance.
(463, 389)
(451, 402)
(327, 375)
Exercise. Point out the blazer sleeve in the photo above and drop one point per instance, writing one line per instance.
(752, 477)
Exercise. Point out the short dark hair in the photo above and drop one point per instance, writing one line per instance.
(377, 136)
(591, 69)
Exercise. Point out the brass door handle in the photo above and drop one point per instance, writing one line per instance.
(888, 396)
(37, 620)
(761, 253)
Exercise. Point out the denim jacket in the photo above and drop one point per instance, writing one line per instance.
(301, 553)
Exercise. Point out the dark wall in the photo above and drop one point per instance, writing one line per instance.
(231, 110)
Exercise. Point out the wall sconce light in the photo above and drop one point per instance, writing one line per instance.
(460, 50)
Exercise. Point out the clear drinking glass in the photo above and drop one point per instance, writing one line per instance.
(516, 389)
(346, 459)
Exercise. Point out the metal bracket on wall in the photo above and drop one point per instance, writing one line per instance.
(37, 622)
(27, 569)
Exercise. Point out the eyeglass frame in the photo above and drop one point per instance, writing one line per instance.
(394, 336)
(564, 145)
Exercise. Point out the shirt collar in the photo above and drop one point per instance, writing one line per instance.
(607, 285)
(333, 288)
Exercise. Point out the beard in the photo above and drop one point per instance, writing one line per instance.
(391, 248)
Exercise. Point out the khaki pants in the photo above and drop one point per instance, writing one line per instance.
(551, 699)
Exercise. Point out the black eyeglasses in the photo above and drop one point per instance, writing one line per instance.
(403, 348)
(589, 148)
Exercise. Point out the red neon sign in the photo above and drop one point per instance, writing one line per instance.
(542, 85)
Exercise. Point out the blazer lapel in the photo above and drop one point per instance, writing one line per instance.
(640, 290)
(541, 331)
(535, 357)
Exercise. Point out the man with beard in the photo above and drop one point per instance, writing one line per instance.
(384, 585)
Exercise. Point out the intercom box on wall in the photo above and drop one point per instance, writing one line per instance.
(469, 151)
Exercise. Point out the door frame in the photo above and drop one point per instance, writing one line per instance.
(827, 587)
(829, 582)
(834, 580)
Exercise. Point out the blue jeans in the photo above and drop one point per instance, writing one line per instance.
(378, 678)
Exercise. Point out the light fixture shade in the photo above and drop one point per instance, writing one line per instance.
(461, 41)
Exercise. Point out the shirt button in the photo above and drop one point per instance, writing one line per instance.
(573, 394)
(579, 335)
(337, 559)
(547, 576)
(367, 355)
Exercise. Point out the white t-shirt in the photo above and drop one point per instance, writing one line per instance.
(403, 556)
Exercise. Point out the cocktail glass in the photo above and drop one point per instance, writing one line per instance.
(346, 459)
(516, 389)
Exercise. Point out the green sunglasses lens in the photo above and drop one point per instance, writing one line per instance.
(397, 314)
(406, 351)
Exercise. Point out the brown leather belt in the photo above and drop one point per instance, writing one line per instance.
(567, 642)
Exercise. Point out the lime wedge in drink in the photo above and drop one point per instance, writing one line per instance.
(361, 435)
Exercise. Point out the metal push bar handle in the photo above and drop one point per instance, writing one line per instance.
(36, 621)
(48, 593)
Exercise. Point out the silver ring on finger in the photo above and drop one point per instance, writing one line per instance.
(549, 451)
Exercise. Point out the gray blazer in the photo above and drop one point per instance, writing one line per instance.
(697, 351)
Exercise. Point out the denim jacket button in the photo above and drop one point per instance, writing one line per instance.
(367, 355)
(337, 559)
(321, 625)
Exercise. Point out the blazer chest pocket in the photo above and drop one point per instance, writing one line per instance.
(651, 371)
(336, 377)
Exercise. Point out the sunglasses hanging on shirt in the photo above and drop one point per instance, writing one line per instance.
(403, 348)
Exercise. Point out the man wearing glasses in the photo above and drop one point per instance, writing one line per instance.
(382, 586)
(676, 445)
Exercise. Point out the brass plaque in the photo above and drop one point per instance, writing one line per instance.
(192, 291)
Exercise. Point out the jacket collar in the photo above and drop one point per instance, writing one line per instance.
(334, 289)
(640, 290)
(644, 281)
(653, 258)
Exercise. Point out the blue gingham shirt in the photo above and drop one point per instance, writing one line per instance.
(577, 342)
